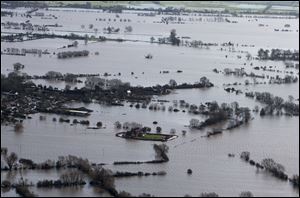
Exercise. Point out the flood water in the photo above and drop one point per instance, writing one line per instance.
(274, 137)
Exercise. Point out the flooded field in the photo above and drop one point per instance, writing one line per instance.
(275, 137)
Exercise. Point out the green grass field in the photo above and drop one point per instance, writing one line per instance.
(153, 137)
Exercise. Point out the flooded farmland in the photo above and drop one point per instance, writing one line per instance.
(170, 84)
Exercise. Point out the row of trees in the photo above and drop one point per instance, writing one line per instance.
(274, 103)
(278, 54)
(70, 54)
(204, 82)
(217, 113)
(14, 82)
(270, 166)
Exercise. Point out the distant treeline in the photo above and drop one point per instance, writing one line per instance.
(119, 8)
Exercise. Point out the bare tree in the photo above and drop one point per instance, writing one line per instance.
(11, 159)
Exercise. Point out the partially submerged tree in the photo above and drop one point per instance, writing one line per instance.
(173, 39)
(18, 66)
(104, 176)
(172, 83)
(11, 160)
(161, 151)
(194, 123)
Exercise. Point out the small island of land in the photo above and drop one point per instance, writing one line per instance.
(139, 134)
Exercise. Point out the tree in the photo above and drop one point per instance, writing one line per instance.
(278, 101)
(194, 123)
(158, 129)
(53, 74)
(99, 124)
(72, 177)
(234, 105)
(246, 115)
(245, 155)
(291, 98)
(272, 166)
(174, 40)
(3, 151)
(248, 56)
(68, 87)
(104, 176)
(18, 127)
(173, 131)
(262, 112)
(213, 106)
(172, 83)
(86, 38)
(204, 81)
(18, 66)
(295, 180)
(161, 151)
(246, 82)
(118, 125)
(70, 77)
(152, 39)
(75, 43)
(11, 159)
(256, 108)
(263, 54)
(96, 30)
(128, 29)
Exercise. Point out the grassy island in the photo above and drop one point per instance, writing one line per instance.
(138, 134)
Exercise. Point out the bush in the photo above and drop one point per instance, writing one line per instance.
(99, 124)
